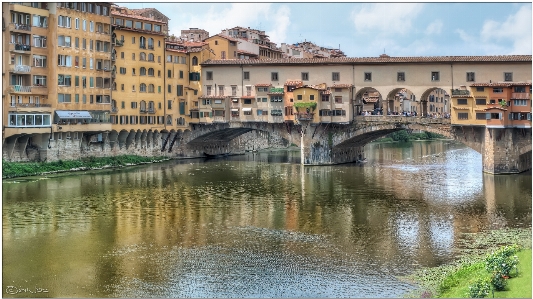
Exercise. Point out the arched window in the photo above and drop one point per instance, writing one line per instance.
(150, 72)
(142, 42)
(151, 88)
(142, 88)
(151, 57)
(143, 71)
(169, 120)
(142, 56)
(143, 106)
(194, 60)
(151, 43)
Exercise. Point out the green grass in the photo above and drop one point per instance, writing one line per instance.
(456, 284)
(19, 169)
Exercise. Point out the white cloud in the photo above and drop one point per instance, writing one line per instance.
(386, 18)
(516, 29)
(512, 36)
(434, 28)
(281, 21)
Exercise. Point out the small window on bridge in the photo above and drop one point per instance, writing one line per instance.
(401, 76)
(368, 76)
(508, 77)
(470, 77)
(435, 76)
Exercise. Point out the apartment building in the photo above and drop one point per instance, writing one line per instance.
(253, 43)
(182, 69)
(493, 105)
(308, 49)
(139, 87)
(59, 63)
(194, 35)
(438, 102)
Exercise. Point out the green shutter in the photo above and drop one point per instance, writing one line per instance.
(182, 108)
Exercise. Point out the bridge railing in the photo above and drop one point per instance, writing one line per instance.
(402, 119)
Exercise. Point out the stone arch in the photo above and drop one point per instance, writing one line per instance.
(113, 138)
(400, 99)
(427, 101)
(367, 99)
(149, 139)
(123, 138)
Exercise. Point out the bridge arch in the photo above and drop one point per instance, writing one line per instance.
(368, 99)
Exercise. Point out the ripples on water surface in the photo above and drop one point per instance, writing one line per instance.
(257, 225)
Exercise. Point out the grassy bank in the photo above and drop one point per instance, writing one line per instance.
(20, 169)
(454, 279)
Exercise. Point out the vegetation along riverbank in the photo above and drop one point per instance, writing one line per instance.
(404, 136)
(20, 169)
(490, 264)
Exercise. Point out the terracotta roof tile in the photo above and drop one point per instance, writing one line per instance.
(223, 36)
(294, 83)
(376, 60)
(339, 85)
(263, 84)
(135, 16)
(211, 97)
(497, 108)
(501, 84)
(326, 92)
(371, 100)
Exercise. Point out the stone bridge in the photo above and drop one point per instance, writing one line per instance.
(503, 150)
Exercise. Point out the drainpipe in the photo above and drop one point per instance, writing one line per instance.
(164, 84)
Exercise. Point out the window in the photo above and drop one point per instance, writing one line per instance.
(338, 99)
(133, 39)
(133, 71)
(142, 42)
(481, 115)
(481, 101)
(91, 26)
(181, 74)
(63, 98)
(151, 72)
(122, 70)
(169, 88)
(209, 75)
(462, 101)
(401, 76)
(142, 56)
(519, 89)
(148, 26)
(247, 101)
(40, 21)
(138, 25)
(233, 90)
(169, 104)
(462, 115)
(368, 76)
(208, 90)
(299, 97)
(84, 25)
(169, 73)
(39, 80)
(39, 61)
(157, 28)
(335, 76)
(84, 81)
(480, 89)
(63, 60)
(63, 41)
(325, 98)
(180, 90)
(221, 90)
(142, 88)
(246, 75)
(194, 60)
(77, 23)
(39, 41)
(63, 80)
(151, 57)
(497, 90)
(274, 76)
(470, 77)
(63, 21)
(435, 76)
(520, 102)
(507, 77)
(122, 89)
(305, 76)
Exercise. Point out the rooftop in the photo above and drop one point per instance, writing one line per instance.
(376, 60)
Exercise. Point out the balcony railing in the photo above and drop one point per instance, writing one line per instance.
(119, 43)
(20, 88)
(304, 116)
(25, 27)
(32, 105)
(22, 47)
(21, 69)
(142, 110)
(520, 96)
(151, 110)
(460, 92)
(151, 47)
(114, 110)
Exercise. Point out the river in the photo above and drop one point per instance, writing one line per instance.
(254, 225)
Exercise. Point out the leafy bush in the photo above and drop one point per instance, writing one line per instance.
(479, 289)
(498, 280)
(503, 260)
(311, 105)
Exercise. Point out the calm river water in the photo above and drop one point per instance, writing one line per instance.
(255, 225)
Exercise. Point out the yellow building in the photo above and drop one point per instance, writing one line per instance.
(59, 65)
(139, 89)
(182, 69)
(223, 47)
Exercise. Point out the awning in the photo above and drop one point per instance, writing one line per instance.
(74, 114)
(235, 100)
(246, 109)
(234, 109)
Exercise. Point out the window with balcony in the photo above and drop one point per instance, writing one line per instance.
(519, 89)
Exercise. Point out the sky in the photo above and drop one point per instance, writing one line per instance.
(368, 29)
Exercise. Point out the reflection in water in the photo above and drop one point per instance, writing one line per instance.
(256, 225)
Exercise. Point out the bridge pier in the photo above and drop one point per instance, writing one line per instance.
(506, 150)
